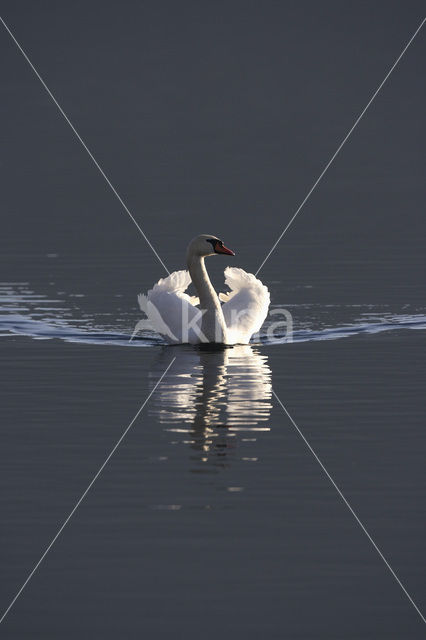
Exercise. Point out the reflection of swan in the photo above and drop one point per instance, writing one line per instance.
(214, 396)
(174, 314)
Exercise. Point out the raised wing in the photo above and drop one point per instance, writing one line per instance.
(245, 306)
(170, 310)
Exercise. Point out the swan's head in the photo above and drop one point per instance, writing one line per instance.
(207, 245)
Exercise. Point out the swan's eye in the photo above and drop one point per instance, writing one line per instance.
(214, 242)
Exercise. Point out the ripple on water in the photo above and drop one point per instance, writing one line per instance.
(27, 313)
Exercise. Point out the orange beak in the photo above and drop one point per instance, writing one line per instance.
(222, 249)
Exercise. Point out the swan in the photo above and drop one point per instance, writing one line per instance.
(181, 318)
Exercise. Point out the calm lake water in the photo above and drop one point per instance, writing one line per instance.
(213, 519)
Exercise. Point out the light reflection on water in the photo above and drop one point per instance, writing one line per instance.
(212, 398)
(24, 312)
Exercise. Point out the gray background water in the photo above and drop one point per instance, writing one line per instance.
(218, 118)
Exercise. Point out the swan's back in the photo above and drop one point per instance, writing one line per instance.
(173, 313)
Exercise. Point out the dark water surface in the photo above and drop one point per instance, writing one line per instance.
(213, 519)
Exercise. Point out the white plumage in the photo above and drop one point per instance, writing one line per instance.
(175, 315)
(245, 306)
(166, 304)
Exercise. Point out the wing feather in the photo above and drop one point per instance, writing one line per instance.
(245, 306)
(168, 307)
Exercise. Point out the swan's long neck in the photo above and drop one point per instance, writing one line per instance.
(213, 323)
(200, 278)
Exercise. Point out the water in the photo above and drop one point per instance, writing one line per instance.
(30, 314)
(212, 508)
(213, 519)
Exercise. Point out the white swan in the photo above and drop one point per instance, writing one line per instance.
(176, 316)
